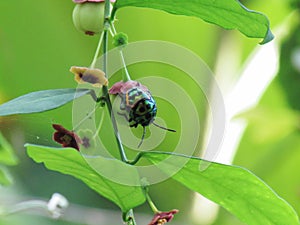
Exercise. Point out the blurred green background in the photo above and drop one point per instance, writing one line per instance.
(38, 45)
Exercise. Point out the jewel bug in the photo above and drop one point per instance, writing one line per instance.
(138, 105)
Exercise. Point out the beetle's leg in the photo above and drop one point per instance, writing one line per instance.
(132, 123)
(143, 136)
(125, 116)
(123, 102)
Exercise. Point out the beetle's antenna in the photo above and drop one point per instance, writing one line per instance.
(143, 136)
(164, 128)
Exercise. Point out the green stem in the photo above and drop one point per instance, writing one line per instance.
(99, 125)
(151, 204)
(104, 88)
(93, 65)
(114, 31)
(85, 118)
(126, 76)
(128, 218)
(105, 94)
(137, 158)
(113, 12)
(109, 105)
(23, 206)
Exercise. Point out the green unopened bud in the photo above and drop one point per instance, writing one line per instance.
(89, 17)
(120, 40)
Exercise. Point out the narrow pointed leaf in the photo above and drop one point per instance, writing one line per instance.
(69, 161)
(229, 14)
(235, 188)
(41, 101)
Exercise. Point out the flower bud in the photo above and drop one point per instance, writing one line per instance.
(120, 40)
(88, 16)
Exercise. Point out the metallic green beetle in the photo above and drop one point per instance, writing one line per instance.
(139, 105)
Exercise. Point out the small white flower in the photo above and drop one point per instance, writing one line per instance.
(57, 205)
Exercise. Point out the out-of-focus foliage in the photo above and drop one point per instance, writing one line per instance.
(7, 158)
(270, 146)
(38, 44)
(7, 155)
(4, 179)
(289, 73)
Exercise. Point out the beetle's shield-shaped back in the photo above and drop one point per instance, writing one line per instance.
(130, 105)
(134, 95)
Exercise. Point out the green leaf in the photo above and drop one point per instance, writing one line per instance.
(41, 101)
(235, 188)
(4, 178)
(71, 162)
(229, 14)
(7, 156)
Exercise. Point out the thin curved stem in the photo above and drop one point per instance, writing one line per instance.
(105, 94)
(126, 76)
(104, 88)
(85, 118)
(151, 204)
(93, 65)
(117, 135)
(114, 31)
(111, 32)
(137, 158)
(128, 218)
(99, 125)
(23, 206)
